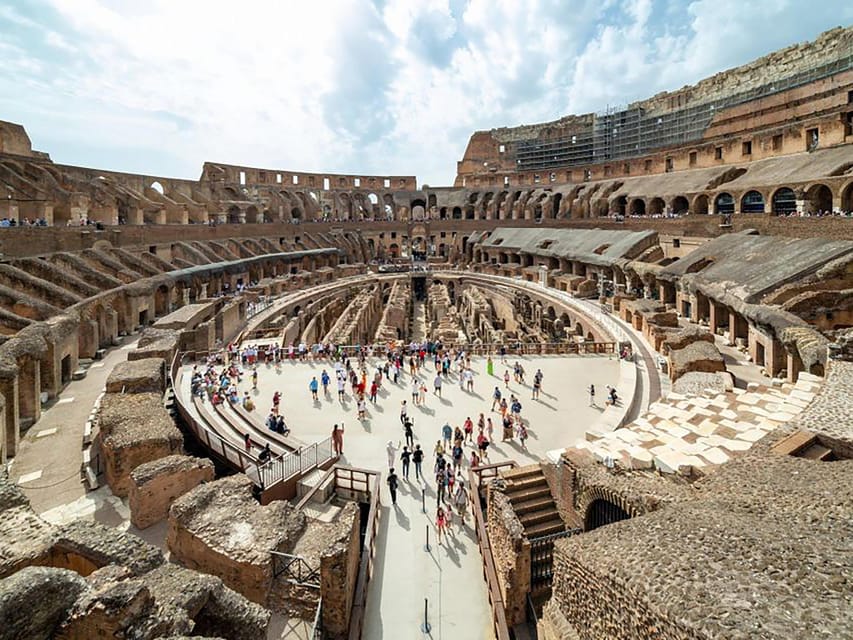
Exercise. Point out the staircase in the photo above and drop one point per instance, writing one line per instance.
(531, 499)
(532, 502)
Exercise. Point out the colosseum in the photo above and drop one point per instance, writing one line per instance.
(620, 347)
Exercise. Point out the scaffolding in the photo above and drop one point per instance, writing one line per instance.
(627, 132)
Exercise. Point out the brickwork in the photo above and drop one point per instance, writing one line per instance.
(155, 485)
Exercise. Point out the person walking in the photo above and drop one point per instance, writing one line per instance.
(404, 409)
(314, 386)
(392, 485)
(409, 433)
(460, 499)
(247, 439)
(406, 457)
(446, 434)
(592, 395)
(496, 398)
(324, 378)
(391, 450)
(418, 459)
(437, 385)
(255, 379)
(490, 367)
(506, 378)
(440, 522)
(338, 440)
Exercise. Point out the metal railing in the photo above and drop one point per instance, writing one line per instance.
(542, 558)
(295, 569)
(317, 625)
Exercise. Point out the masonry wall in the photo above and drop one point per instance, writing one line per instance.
(155, 486)
(339, 568)
(511, 552)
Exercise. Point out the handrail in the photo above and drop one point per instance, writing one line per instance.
(365, 568)
(317, 625)
(305, 574)
(499, 622)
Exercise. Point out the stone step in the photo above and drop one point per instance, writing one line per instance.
(540, 517)
(526, 483)
(526, 506)
(522, 472)
(524, 495)
(544, 529)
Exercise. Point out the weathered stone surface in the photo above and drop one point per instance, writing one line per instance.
(156, 484)
(134, 428)
(697, 356)
(138, 376)
(85, 546)
(34, 601)
(219, 528)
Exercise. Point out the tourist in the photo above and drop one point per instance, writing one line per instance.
(457, 453)
(405, 456)
(391, 450)
(537, 385)
(483, 446)
(468, 427)
(440, 522)
(338, 440)
(265, 453)
(469, 379)
(392, 485)
(408, 432)
(437, 385)
(460, 499)
(325, 379)
(247, 439)
(506, 378)
(314, 386)
(592, 395)
(440, 485)
(418, 458)
(522, 435)
(374, 388)
(416, 391)
(276, 399)
(489, 428)
(490, 367)
(438, 450)
(496, 398)
(404, 409)
(255, 379)
(446, 433)
(362, 408)
(475, 459)
(341, 388)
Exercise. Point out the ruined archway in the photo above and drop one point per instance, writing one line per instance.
(752, 202)
(700, 205)
(602, 512)
(724, 203)
(680, 205)
(784, 201)
(847, 198)
(620, 205)
(233, 214)
(819, 199)
(637, 207)
(656, 207)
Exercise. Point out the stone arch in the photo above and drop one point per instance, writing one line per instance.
(847, 197)
(161, 300)
(499, 202)
(656, 207)
(156, 186)
(724, 203)
(637, 207)
(252, 214)
(233, 214)
(556, 201)
(752, 202)
(819, 198)
(783, 201)
(389, 209)
(700, 205)
(601, 506)
(619, 206)
(457, 213)
(680, 205)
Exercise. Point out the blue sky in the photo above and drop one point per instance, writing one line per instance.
(352, 86)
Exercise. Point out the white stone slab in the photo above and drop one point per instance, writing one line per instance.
(753, 435)
(736, 446)
(715, 456)
(45, 433)
(29, 477)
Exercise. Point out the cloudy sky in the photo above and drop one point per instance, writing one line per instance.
(352, 86)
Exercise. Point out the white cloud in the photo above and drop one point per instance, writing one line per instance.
(344, 85)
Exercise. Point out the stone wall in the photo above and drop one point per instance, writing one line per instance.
(138, 376)
(339, 567)
(155, 485)
(219, 528)
(134, 429)
(511, 551)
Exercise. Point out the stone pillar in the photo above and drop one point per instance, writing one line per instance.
(11, 431)
(29, 390)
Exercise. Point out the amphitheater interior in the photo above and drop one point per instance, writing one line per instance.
(712, 261)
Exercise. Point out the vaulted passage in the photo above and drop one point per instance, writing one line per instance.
(602, 512)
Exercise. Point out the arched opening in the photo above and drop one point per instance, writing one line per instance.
(620, 205)
(233, 214)
(469, 212)
(656, 207)
(296, 213)
(555, 205)
(252, 214)
(394, 250)
(752, 202)
(442, 213)
(724, 203)
(374, 202)
(388, 199)
(418, 212)
(784, 201)
(637, 207)
(601, 513)
(847, 198)
(457, 213)
(158, 187)
(819, 198)
(161, 300)
(700, 205)
(680, 205)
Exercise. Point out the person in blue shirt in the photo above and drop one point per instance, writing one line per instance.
(313, 385)
(325, 379)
